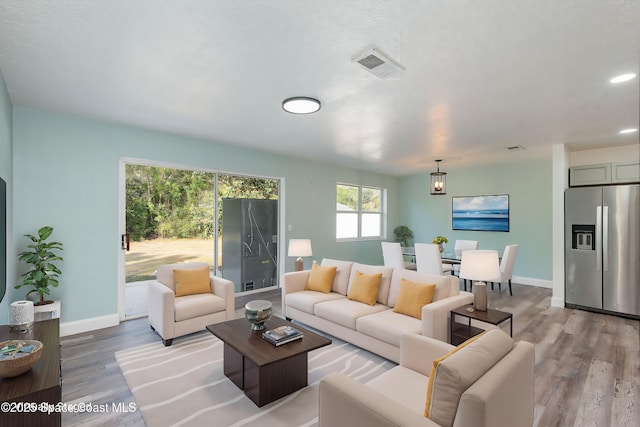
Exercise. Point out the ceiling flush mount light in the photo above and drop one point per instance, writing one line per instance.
(438, 181)
(630, 130)
(623, 78)
(301, 105)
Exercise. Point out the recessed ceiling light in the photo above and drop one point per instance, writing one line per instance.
(630, 130)
(622, 78)
(301, 105)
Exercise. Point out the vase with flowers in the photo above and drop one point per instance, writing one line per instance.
(440, 241)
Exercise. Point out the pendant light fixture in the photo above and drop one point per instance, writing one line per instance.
(438, 182)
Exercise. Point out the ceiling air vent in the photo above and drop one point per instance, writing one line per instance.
(378, 64)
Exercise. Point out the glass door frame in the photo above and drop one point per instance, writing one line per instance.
(124, 161)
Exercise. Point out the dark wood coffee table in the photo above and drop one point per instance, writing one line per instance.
(265, 372)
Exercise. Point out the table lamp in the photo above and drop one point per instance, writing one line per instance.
(480, 265)
(299, 248)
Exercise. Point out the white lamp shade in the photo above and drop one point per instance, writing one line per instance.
(300, 247)
(481, 265)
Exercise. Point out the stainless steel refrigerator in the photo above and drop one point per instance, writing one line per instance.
(602, 249)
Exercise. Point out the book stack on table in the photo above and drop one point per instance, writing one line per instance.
(282, 335)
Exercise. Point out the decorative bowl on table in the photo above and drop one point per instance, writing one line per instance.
(18, 356)
(257, 312)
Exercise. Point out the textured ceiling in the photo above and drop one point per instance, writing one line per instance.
(479, 76)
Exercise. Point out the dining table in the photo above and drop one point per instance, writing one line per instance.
(452, 258)
(447, 257)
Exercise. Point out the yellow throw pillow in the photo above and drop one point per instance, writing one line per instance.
(412, 297)
(320, 278)
(190, 282)
(365, 287)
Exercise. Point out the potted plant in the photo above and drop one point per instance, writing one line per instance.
(403, 234)
(440, 241)
(41, 256)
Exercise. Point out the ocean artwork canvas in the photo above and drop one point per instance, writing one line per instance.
(481, 213)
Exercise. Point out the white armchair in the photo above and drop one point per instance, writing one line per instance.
(487, 383)
(173, 316)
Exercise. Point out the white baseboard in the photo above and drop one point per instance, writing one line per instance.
(557, 302)
(532, 282)
(86, 325)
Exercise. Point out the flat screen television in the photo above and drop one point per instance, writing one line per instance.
(480, 213)
(3, 238)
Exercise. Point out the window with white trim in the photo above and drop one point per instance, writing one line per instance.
(359, 212)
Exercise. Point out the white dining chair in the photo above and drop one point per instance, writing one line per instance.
(463, 245)
(429, 260)
(392, 255)
(506, 267)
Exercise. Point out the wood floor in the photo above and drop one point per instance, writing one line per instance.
(587, 364)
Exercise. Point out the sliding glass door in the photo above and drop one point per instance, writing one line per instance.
(176, 215)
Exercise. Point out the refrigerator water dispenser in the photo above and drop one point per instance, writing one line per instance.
(583, 237)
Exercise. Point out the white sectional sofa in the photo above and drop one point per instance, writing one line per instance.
(377, 327)
(488, 383)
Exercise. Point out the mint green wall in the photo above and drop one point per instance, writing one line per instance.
(6, 172)
(529, 187)
(66, 176)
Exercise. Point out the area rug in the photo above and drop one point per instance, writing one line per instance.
(183, 385)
